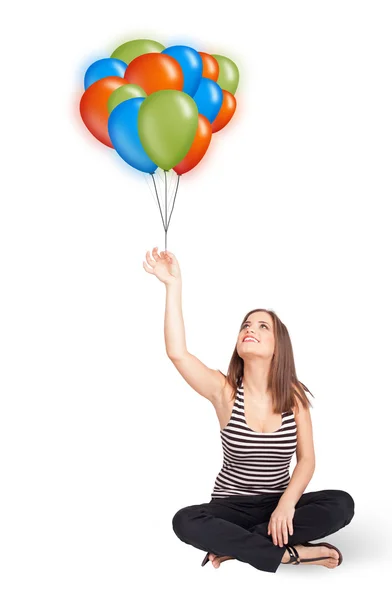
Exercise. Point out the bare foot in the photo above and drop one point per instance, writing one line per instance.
(331, 556)
(216, 560)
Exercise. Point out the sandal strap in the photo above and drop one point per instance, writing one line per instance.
(327, 545)
(312, 559)
(294, 556)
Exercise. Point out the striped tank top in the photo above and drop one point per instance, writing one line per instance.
(253, 462)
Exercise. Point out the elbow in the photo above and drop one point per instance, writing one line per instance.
(173, 356)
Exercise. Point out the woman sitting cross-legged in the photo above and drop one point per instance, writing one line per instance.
(257, 513)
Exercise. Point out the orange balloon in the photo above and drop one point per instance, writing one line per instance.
(198, 149)
(227, 110)
(94, 106)
(210, 66)
(155, 71)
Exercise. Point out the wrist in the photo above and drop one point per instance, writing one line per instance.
(287, 502)
(176, 281)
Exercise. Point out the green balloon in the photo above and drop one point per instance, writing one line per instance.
(167, 125)
(125, 92)
(228, 73)
(130, 50)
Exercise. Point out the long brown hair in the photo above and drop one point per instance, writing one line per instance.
(282, 378)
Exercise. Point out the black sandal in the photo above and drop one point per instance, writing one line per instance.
(294, 556)
(206, 559)
(296, 560)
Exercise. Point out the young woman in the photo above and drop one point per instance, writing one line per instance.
(257, 513)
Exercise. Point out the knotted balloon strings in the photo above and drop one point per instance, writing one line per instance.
(165, 222)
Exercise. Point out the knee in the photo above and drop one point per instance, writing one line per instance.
(346, 505)
(180, 522)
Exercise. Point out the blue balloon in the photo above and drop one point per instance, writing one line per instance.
(191, 65)
(124, 135)
(104, 67)
(209, 98)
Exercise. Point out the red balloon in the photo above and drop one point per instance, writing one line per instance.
(154, 72)
(94, 106)
(210, 66)
(227, 110)
(198, 149)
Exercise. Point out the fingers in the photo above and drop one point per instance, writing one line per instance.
(164, 255)
(149, 259)
(273, 531)
(279, 539)
(283, 538)
(172, 258)
(291, 528)
(146, 268)
(279, 532)
(155, 253)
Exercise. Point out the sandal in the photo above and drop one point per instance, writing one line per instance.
(206, 559)
(294, 556)
(296, 560)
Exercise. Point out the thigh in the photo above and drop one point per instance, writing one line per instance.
(227, 511)
(337, 505)
(334, 498)
(246, 511)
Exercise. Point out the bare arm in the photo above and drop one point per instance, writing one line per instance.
(174, 321)
(205, 381)
(306, 460)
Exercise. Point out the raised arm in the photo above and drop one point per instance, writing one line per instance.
(207, 382)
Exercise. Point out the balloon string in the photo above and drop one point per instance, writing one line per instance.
(150, 188)
(165, 221)
(156, 192)
(171, 186)
(169, 180)
(166, 210)
(174, 199)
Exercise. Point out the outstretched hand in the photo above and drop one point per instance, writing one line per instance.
(165, 266)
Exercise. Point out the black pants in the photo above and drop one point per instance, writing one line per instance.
(237, 525)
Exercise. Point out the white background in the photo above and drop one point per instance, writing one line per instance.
(102, 441)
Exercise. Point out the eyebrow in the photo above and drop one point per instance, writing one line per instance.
(258, 321)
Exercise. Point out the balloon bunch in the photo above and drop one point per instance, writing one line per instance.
(158, 107)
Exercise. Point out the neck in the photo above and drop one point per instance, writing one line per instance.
(256, 380)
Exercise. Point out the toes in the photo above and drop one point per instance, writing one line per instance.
(333, 562)
(335, 555)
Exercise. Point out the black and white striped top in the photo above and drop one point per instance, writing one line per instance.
(254, 463)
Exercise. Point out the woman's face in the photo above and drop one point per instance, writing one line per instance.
(260, 326)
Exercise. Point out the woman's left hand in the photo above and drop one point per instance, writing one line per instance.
(281, 524)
